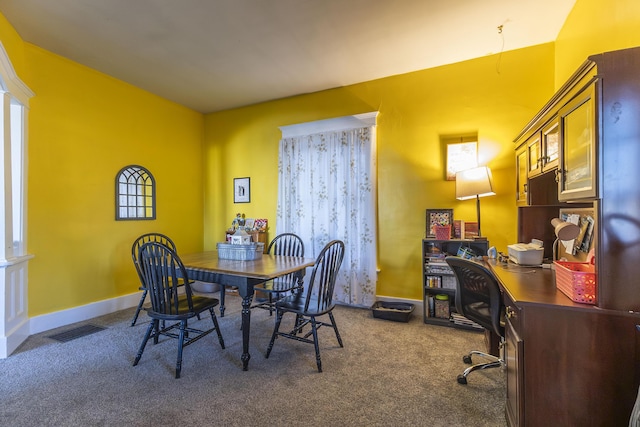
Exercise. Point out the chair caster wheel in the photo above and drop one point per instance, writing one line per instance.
(467, 359)
(462, 379)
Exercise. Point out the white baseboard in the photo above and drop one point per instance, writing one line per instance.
(56, 319)
(9, 343)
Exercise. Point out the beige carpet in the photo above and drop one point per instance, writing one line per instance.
(388, 373)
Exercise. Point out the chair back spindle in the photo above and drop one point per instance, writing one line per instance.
(135, 253)
(317, 302)
(163, 272)
(323, 277)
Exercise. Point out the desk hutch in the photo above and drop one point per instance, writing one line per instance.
(570, 363)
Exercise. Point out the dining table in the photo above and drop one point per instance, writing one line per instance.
(244, 275)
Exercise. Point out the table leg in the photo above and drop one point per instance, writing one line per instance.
(223, 292)
(246, 326)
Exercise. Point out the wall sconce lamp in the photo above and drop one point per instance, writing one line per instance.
(564, 231)
(474, 183)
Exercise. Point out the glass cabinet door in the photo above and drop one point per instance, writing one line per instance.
(522, 174)
(577, 172)
(550, 145)
(534, 153)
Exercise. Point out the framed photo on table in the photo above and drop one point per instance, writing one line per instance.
(437, 217)
(241, 190)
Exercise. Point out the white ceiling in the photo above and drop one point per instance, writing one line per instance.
(212, 55)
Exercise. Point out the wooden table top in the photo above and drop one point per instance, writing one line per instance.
(266, 267)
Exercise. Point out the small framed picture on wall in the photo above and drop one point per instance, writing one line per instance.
(241, 190)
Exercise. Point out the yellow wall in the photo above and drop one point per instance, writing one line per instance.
(83, 128)
(595, 26)
(415, 110)
(492, 96)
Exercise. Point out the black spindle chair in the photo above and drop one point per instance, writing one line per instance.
(287, 244)
(163, 272)
(314, 302)
(135, 250)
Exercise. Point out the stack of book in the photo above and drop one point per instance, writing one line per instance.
(459, 319)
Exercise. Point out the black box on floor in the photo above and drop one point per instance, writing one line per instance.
(396, 311)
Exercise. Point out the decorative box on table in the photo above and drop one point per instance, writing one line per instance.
(249, 252)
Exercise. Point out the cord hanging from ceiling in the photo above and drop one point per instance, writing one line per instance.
(500, 28)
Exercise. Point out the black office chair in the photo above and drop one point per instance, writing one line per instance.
(287, 244)
(315, 301)
(478, 298)
(135, 250)
(162, 271)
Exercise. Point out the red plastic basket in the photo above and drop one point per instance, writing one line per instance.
(577, 280)
(443, 232)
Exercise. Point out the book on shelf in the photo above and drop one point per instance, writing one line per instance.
(431, 307)
(458, 229)
(432, 268)
(434, 282)
(449, 282)
(470, 230)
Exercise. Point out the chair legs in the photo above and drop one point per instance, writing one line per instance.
(152, 325)
(314, 332)
(492, 362)
(135, 316)
(183, 326)
(335, 328)
(183, 337)
(215, 324)
(300, 322)
(223, 293)
(276, 330)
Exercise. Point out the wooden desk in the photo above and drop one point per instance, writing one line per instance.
(206, 267)
(568, 364)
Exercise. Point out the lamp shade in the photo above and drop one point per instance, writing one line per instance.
(565, 230)
(472, 183)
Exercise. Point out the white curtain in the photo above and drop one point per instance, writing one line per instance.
(327, 191)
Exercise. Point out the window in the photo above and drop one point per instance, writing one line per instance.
(16, 118)
(13, 122)
(14, 259)
(327, 190)
(135, 194)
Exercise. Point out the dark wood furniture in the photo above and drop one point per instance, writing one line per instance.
(569, 363)
(206, 267)
(439, 279)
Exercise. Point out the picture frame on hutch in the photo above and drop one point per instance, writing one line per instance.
(437, 217)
